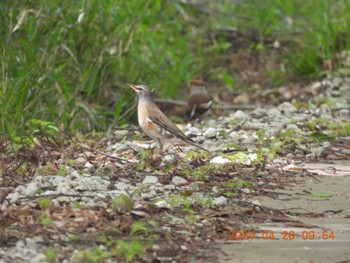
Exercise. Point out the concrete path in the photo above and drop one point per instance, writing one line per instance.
(321, 194)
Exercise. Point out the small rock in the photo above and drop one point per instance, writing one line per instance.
(215, 189)
(274, 114)
(326, 144)
(32, 188)
(310, 156)
(161, 203)
(325, 111)
(287, 109)
(80, 159)
(257, 209)
(343, 113)
(259, 113)
(196, 185)
(245, 191)
(249, 140)
(317, 151)
(170, 159)
(199, 139)
(240, 115)
(210, 133)
(177, 180)
(149, 194)
(193, 131)
(280, 161)
(170, 187)
(184, 248)
(290, 156)
(91, 183)
(256, 202)
(118, 147)
(293, 127)
(121, 186)
(150, 179)
(219, 160)
(120, 134)
(234, 136)
(221, 200)
(88, 165)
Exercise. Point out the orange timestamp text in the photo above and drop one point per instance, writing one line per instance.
(287, 235)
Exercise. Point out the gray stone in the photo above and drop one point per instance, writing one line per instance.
(274, 114)
(325, 111)
(91, 183)
(249, 140)
(150, 179)
(210, 133)
(199, 139)
(310, 156)
(221, 200)
(240, 115)
(170, 187)
(149, 194)
(88, 165)
(169, 159)
(326, 144)
(259, 113)
(234, 136)
(33, 187)
(317, 151)
(256, 202)
(293, 127)
(193, 131)
(120, 134)
(122, 186)
(80, 159)
(287, 109)
(245, 191)
(177, 180)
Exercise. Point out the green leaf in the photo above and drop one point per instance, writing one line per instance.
(321, 136)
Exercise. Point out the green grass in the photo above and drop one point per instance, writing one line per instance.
(67, 62)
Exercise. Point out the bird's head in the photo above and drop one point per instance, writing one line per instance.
(141, 90)
(197, 86)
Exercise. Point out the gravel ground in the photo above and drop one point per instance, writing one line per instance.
(268, 137)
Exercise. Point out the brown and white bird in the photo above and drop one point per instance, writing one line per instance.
(154, 123)
(199, 103)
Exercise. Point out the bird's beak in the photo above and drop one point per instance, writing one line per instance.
(131, 86)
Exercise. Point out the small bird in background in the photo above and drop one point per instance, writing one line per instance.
(199, 103)
(154, 123)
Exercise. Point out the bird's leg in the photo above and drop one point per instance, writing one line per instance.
(159, 148)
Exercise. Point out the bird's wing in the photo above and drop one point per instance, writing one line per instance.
(157, 116)
(167, 125)
(197, 105)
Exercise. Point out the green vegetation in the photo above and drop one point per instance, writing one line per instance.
(122, 203)
(44, 203)
(142, 236)
(50, 254)
(45, 220)
(66, 62)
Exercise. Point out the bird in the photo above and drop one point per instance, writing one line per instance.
(199, 102)
(154, 122)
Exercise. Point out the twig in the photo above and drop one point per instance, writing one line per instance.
(32, 197)
(108, 133)
(106, 154)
